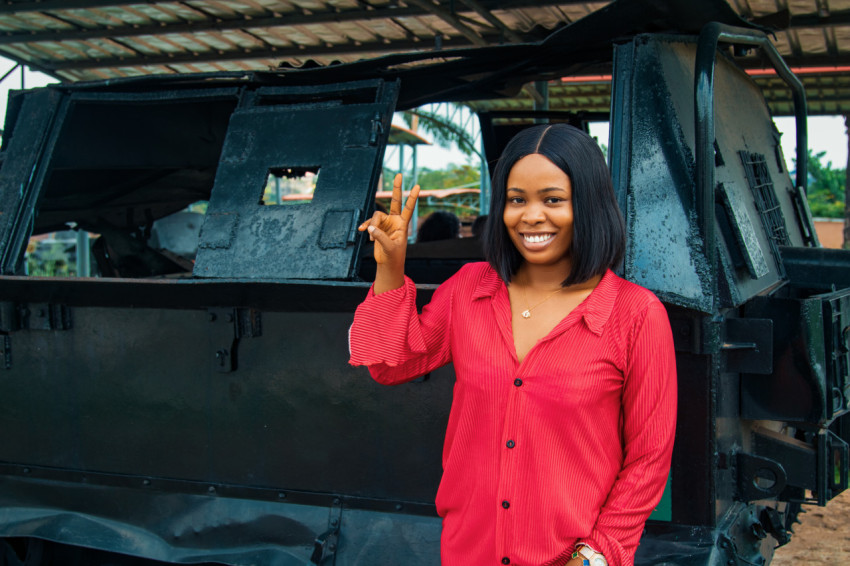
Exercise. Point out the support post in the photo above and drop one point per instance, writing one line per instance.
(414, 178)
(83, 257)
(542, 103)
(484, 187)
(846, 243)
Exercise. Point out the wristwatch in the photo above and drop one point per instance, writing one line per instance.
(595, 558)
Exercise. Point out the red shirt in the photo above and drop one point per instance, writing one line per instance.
(573, 444)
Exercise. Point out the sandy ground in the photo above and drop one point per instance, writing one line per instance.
(822, 538)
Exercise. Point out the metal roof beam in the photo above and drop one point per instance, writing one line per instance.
(841, 18)
(799, 62)
(276, 53)
(447, 16)
(211, 25)
(218, 24)
(11, 7)
(488, 16)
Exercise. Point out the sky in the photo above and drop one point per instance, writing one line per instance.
(826, 133)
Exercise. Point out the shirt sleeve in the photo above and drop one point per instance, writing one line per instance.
(394, 341)
(649, 426)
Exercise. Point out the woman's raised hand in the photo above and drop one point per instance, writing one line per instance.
(389, 232)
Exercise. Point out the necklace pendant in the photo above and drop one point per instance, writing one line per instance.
(526, 314)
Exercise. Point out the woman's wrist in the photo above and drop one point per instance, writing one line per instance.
(589, 555)
(388, 278)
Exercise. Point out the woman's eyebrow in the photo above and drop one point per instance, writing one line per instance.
(516, 189)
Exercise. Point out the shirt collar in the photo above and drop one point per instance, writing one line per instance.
(599, 304)
(488, 285)
(595, 310)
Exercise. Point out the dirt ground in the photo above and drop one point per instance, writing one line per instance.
(822, 538)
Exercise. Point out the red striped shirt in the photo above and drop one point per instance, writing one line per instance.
(571, 445)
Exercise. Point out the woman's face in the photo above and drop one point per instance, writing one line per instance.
(539, 212)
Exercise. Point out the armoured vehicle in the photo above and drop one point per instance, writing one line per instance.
(178, 410)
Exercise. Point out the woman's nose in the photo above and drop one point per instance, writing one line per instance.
(533, 214)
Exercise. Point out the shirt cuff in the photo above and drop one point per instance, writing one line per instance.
(386, 328)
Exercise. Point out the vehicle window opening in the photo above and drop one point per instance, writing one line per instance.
(289, 185)
(165, 247)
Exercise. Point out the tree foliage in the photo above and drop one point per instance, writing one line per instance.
(449, 178)
(452, 177)
(826, 187)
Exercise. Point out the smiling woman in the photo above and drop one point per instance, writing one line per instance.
(571, 160)
(561, 429)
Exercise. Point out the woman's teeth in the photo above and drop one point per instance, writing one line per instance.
(536, 238)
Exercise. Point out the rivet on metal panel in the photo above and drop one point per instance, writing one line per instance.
(221, 357)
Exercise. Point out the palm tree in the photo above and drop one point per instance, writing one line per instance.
(442, 127)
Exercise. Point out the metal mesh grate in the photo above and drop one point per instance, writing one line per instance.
(770, 212)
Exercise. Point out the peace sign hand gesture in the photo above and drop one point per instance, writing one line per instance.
(389, 232)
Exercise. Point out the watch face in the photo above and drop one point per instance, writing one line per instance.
(594, 558)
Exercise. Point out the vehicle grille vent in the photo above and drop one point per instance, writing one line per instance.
(761, 185)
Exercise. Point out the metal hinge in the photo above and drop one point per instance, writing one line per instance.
(377, 129)
(34, 316)
(229, 325)
(748, 345)
(45, 316)
(325, 545)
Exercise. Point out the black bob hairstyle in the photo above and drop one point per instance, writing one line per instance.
(599, 235)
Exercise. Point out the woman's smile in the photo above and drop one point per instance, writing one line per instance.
(537, 238)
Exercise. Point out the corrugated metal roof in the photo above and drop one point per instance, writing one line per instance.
(76, 40)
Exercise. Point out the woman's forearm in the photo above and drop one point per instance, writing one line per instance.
(388, 277)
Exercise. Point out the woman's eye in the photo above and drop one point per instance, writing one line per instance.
(554, 200)
(515, 200)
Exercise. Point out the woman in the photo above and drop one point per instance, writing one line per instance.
(561, 428)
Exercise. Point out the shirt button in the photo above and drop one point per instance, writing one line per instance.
(506, 560)
(506, 504)
(517, 382)
(510, 444)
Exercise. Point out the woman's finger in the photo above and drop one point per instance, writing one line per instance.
(409, 207)
(395, 203)
(381, 237)
(376, 220)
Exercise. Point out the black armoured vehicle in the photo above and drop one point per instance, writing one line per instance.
(192, 402)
